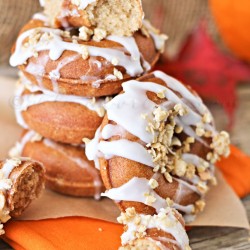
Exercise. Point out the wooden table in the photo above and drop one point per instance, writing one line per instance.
(211, 238)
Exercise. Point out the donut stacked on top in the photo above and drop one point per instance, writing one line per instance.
(73, 58)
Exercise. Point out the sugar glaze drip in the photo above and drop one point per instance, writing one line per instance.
(56, 46)
(128, 192)
(26, 101)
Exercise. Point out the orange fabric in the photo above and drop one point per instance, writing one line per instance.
(83, 233)
(236, 170)
(64, 233)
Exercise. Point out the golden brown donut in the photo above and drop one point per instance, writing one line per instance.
(62, 118)
(158, 232)
(101, 14)
(57, 60)
(21, 181)
(67, 169)
(157, 145)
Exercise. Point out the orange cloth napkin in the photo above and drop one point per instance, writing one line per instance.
(85, 234)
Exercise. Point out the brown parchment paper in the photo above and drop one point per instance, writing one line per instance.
(223, 208)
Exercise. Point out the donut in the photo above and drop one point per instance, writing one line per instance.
(67, 169)
(22, 180)
(61, 62)
(120, 18)
(157, 145)
(63, 118)
(158, 232)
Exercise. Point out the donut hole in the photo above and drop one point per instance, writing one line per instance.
(27, 187)
(117, 17)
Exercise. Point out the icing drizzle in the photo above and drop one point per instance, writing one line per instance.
(28, 100)
(56, 46)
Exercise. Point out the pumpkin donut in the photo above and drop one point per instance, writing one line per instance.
(165, 230)
(68, 171)
(101, 14)
(22, 180)
(62, 62)
(157, 145)
(63, 118)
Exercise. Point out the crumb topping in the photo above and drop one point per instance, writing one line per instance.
(153, 183)
(85, 33)
(136, 225)
(99, 34)
(118, 74)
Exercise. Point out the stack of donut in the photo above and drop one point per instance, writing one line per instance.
(73, 59)
(85, 86)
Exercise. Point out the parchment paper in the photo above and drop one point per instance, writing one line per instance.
(224, 209)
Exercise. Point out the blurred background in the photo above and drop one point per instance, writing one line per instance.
(208, 48)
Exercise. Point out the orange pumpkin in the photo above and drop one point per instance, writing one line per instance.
(233, 20)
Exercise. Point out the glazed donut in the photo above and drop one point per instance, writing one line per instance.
(63, 118)
(67, 169)
(21, 181)
(59, 61)
(158, 232)
(157, 145)
(117, 17)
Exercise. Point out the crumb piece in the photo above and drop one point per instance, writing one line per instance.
(153, 183)
(168, 177)
(170, 202)
(36, 137)
(150, 199)
(161, 94)
(199, 206)
(99, 34)
(118, 74)
(85, 33)
(86, 140)
(207, 118)
(101, 111)
(180, 167)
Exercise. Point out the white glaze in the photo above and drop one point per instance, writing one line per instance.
(56, 46)
(126, 149)
(8, 167)
(112, 130)
(26, 101)
(37, 69)
(54, 75)
(42, 2)
(83, 4)
(42, 17)
(135, 189)
(17, 150)
(91, 149)
(159, 39)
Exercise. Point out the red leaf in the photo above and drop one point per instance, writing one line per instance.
(212, 73)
